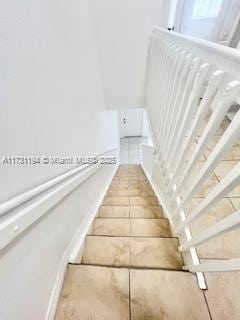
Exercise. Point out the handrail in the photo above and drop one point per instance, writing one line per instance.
(222, 57)
(191, 84)
(25, 212)
(31, 193)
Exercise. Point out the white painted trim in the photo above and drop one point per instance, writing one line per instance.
(216, 266)
(72, 252)
(174, 83)
(53, 302)
(222, 57)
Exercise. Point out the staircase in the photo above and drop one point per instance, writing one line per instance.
(130, 267)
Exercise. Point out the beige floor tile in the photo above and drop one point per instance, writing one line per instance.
(116, 186)
(122, 172)
(148, 212)
(208, 185)
(135, 179)
(116, 201)
(166, 295)
(224, 246)
(113, 192)
(111, 227)
(114, 211)
(121, 178)
(82, 295)
(108, 251)
(224, 167)
(150, 228)
(232, 154)
(220, 210)
(222, 170)
(236, 203)
(143, 201)
(136, 171)
(134, 183)
(116, 183)
(142, 193)
(140, 186)
(155, 253)
(223, 295)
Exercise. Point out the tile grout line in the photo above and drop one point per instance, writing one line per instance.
(205, 299)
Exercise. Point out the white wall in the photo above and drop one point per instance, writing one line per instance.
(29, 265)
(123, 29)
(52, 103)
(52, 100)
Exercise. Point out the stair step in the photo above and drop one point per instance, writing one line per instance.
(154, 294)
(131, 193)
(96, 293)
(116, 201)
(131, 227)
(111, 227)
(107, 251)
(158, 294)
(117, 186)
(160, 253)
(114, 211)
(132, 201)
(150, 228)
(117, 192)
(146, 212)
(143, 201)
(129, 262)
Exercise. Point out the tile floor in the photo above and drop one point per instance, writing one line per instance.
(130, 149)
(131, 256)
(131, 267)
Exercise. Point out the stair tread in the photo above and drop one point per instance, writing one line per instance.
(146, 212)
(153, 293)
(114, 211)
(131, 227)
(132, 201)
(91, 292)
(130, 245)
(132, 251)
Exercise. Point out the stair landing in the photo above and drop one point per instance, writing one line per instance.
(131, 267)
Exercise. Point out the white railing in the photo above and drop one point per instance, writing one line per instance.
(191, 84)
(20, 212)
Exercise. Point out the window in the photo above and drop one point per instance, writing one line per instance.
(204, 9)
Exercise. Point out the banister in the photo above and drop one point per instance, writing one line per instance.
(191, 84)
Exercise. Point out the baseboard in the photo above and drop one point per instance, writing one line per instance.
(75, 247)
(158, 194)
(53, 302)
